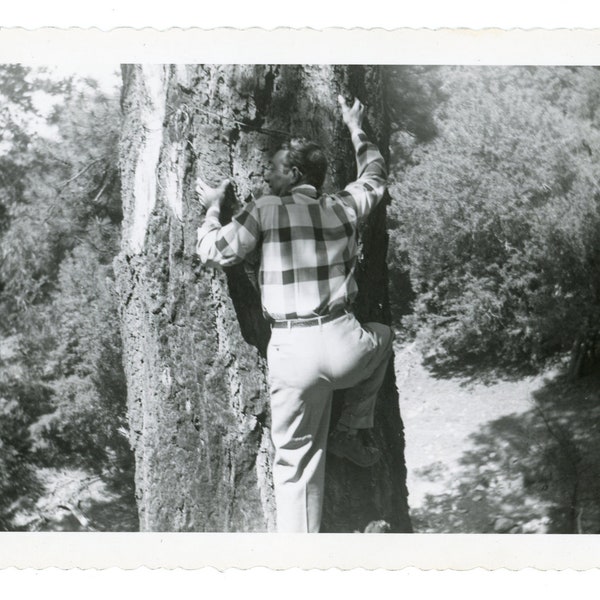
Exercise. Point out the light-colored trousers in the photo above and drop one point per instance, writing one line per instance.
(306, 364)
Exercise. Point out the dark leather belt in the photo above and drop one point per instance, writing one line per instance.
(311, 321)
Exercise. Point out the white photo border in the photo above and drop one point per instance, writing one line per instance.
(49, 46)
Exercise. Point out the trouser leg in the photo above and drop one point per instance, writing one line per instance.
(300, 423)
(359, 401)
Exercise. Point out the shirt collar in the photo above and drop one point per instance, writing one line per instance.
(306, 189)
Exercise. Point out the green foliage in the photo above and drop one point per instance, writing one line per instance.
(61, 230)
(81, 354)
(21, 403)
(63, 185)
(413, 94)
(498, 217)
(16, 95)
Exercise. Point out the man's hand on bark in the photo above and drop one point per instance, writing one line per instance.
(352, 115)
(209, 196)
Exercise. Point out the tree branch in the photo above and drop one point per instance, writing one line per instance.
(79, 173)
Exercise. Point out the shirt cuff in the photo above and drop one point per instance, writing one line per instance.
(359, 136)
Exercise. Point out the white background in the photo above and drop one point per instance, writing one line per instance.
(259, 583)
(312, 13)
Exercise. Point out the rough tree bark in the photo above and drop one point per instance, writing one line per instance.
(194, 338)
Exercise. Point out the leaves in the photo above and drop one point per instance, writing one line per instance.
(61, 229)
(56, 197)
(498, 214)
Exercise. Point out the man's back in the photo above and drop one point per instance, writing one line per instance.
(308, 253)
(307, 242)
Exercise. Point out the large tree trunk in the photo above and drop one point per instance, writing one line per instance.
(194, 338)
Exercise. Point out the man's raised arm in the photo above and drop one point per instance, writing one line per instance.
(367, 191)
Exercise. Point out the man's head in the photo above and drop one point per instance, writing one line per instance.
(296, 162)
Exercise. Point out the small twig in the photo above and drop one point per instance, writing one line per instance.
(192, 150)
(81, 172)
(81, 518)
(579, 518)
(104, 186)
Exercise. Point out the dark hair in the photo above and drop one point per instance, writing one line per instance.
(308, 158)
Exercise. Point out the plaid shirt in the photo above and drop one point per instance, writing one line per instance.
(307, 243)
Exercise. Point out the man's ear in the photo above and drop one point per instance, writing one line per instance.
(297, 174)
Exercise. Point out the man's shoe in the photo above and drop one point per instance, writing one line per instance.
(352, 448)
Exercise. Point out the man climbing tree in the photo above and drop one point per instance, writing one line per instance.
(308, 246)
(195, 339)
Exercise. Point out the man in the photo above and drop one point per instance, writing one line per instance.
(307, 246)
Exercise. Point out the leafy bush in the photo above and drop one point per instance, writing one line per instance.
(499, 215)
(54, 189)
(20, 405)
(66, 402)
(82, 354)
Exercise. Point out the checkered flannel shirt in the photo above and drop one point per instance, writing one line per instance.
(307, 243)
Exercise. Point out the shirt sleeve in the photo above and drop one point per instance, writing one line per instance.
(226, 246)
(363, 195)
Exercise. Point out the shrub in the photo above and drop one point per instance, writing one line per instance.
(499, 216)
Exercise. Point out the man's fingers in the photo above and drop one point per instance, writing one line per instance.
(357, 106)
(200, 183)
(209, 196)
(203, 187)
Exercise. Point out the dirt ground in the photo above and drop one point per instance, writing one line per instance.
(518, 456)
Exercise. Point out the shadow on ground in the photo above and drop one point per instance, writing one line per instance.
(477, 369)
(534, 472)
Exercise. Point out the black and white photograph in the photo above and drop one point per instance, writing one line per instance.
(299, 298)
